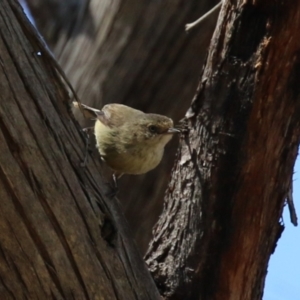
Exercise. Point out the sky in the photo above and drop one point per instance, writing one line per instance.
(283, 278)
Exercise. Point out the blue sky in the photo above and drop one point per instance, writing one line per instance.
(283, 279)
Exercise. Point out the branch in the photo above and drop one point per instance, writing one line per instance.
(220, 222)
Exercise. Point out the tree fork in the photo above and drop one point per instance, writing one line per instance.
(222, 210)
(135, 53)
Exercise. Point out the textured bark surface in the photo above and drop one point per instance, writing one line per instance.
(221, 218)
(136, 53)
(60, 237)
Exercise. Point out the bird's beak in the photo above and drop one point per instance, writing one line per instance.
(173, 130)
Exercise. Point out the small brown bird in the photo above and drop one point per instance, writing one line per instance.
(129, 140)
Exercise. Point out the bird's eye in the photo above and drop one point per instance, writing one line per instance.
(153, 129)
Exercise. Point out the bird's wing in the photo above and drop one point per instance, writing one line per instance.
(89, 112)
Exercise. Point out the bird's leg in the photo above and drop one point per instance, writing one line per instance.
(87, 138)
(115, 182)
(116, 176)
(114, 187)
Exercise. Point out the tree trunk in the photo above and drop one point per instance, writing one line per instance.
(135, 53)
(221, 218)
(61, 237)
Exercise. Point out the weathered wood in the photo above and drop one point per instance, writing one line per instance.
(60, 236)
(221, 218)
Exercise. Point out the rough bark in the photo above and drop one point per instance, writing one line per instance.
(136, 53)
(60, 237)
(221, 218)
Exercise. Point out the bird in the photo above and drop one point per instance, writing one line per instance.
(129, 140)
